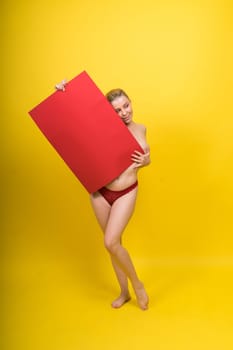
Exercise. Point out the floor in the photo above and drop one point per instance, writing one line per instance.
(59, 305)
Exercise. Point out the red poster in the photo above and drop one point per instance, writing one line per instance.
(86, 132)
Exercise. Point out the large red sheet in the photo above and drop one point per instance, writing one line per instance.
(86, 132)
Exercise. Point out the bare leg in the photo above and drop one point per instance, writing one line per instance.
(119, 216)
(122, 257)
(102, 211)
(123, 282)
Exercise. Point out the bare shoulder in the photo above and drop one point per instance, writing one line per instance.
(140, 128)
(139, 132)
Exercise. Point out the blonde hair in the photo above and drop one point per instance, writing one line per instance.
(115, 93)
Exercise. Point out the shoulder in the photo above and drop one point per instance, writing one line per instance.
(141, 127)
(140, 133)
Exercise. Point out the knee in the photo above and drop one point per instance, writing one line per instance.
(111, 245)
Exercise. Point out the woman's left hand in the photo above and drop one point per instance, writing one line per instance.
(140, 159)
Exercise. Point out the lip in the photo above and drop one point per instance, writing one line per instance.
(126, 119)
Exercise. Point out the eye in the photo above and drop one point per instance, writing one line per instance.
(117, 110)
(126, 105)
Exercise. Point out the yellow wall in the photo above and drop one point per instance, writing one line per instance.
(174, 58)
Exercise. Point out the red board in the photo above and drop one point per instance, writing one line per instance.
(86, 132)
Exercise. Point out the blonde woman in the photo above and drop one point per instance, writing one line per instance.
(114, 205)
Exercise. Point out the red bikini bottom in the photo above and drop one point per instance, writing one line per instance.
(112, 196)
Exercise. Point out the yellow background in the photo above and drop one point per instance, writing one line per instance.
(174, 59)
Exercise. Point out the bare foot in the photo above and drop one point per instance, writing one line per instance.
(142, 297)
(121, 300)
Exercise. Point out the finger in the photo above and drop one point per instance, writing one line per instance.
(135, 156)
(60, 87)
(137, 153)
(135, 159)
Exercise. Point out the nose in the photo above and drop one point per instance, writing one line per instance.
(123, 112)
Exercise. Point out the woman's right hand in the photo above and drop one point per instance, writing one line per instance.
(61, 86)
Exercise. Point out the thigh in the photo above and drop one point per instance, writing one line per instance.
(120, 214)
(101, 209)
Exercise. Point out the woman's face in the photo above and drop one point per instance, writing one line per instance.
(122, 106)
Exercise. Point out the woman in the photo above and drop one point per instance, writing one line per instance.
(114, 205)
